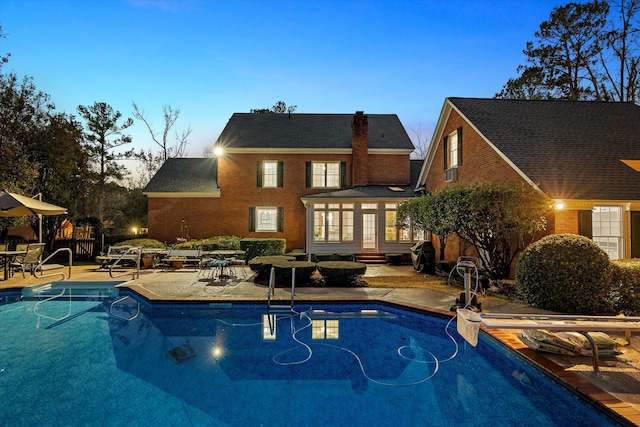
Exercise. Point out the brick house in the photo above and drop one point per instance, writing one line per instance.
(583, 155)
(327, 183)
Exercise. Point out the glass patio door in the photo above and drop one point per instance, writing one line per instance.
(369, 234)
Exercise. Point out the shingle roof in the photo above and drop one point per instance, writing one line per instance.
(292, 131)
(184, 175)
(376, 191)
(570, 149)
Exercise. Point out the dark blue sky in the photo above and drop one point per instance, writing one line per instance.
(212, 58)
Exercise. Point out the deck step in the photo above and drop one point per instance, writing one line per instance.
(371, 258)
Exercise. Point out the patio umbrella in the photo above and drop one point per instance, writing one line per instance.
(12, 204)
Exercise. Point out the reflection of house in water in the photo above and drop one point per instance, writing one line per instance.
(249, 345)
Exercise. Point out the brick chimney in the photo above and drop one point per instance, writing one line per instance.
(360, 148)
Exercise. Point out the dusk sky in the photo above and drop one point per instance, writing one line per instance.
(214, 58)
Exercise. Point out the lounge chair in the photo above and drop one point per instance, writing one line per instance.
(30, 260)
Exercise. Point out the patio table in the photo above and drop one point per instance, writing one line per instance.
(6, 260)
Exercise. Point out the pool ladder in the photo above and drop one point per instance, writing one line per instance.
(133, 254)
(272, 291)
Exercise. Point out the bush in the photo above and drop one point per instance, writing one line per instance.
(304, 271)
(255, 247)
(298, 255)
(231, 243)
(142, 243)
(341, 273)
(323, 257)
(394, 259)
(443, 268)
(565, 273)
(262, 265)
(625, 287)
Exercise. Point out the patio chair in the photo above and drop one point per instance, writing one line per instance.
(30, 260)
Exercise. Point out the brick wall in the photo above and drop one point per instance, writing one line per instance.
(389, 169)
(480, 163)
(201, 215)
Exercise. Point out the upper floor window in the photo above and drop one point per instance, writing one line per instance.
(452, 154)
(326, 174)
(270, 174)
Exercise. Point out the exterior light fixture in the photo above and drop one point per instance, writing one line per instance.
(218, 151)
(559, 205)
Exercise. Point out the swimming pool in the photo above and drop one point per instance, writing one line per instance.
(119, 361)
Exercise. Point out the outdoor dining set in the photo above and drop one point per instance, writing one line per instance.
(209, 264)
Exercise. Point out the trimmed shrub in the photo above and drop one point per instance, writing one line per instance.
(565, 273)
(231, 243)
(304, 271)
(344, 257)
(443, 268)
(394, 259)
(341, 273)
(298, 255)
(142, 243)
(255, 247)
(323, 257)
(262, 265)
(625, 287)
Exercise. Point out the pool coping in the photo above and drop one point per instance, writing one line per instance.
(622, 410)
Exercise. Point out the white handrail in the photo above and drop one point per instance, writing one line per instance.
(136, 270)
(39, 265)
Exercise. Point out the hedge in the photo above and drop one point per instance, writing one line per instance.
(255, 247)
(341, 273)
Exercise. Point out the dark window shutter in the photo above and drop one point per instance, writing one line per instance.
(252, 219)
(280, 174)
(459, 146)
(259, 176)
(445, 145)
(308, 174)
(280, 220)
(343, 174)
(585, 223)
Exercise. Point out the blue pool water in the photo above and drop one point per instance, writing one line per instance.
(120, 362)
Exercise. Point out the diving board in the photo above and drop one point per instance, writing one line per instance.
(470, 321)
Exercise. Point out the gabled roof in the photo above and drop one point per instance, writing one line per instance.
(376, 191)
(569, 149)
(250, 131)
(185, 175)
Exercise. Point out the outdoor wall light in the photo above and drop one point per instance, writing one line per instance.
(559, 205)
(218, 151)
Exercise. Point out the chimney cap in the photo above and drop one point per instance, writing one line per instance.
(359, 113)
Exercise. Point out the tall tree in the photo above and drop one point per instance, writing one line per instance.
(23, 114)
(151, 160)
(621, 67)
(562, 61)
(103, 135)
(63, 174)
